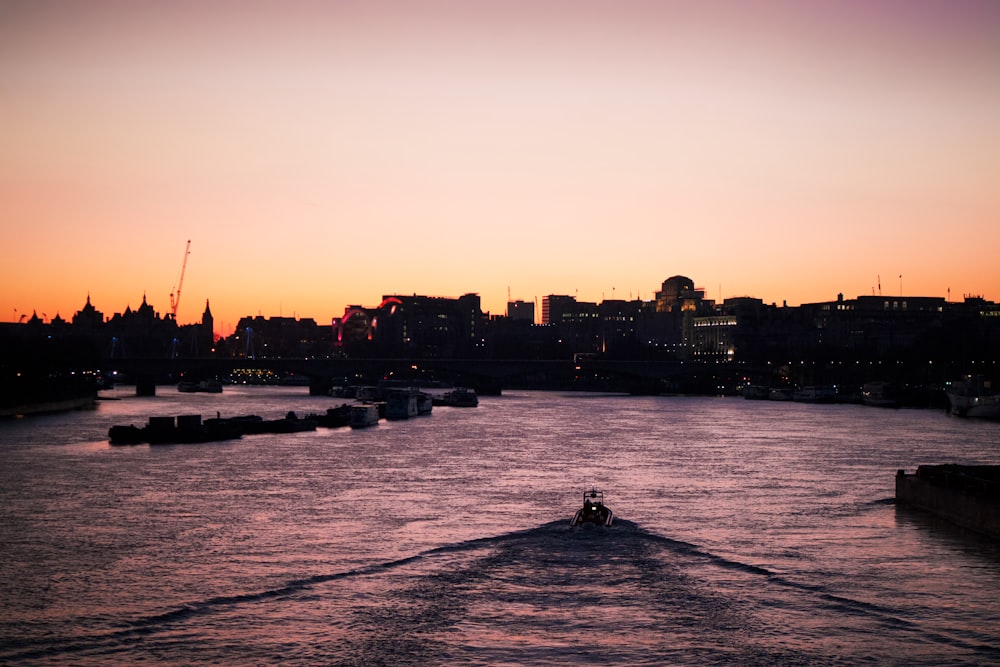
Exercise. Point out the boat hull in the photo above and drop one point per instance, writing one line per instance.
(971, 397)
(459, 397)
(982, 407)
(601, 518)
(364, 415)
(594, 511)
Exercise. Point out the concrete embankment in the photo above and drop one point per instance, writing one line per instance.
(968, 496)
(43, 407)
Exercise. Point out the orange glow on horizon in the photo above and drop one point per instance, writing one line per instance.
(320, 155)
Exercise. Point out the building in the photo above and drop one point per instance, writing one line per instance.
(414, 326)
(678, 303)
(88, 319)
(279, 337)
(141, 333)
(619, 326)
(521, 311)
(576, 323)
(678, 294)
(198, 340)
(554, 305)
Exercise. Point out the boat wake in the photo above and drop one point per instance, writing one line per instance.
(553, 593)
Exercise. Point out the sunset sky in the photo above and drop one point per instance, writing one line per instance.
(321, 154)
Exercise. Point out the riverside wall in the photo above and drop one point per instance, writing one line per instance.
(968, 496)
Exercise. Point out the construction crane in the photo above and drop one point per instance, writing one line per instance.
(175, 302)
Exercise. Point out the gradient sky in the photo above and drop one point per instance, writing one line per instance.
(320, 154)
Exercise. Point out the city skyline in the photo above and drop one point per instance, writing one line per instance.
(227, 329)
(320, 155)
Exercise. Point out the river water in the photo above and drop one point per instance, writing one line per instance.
(748, 532)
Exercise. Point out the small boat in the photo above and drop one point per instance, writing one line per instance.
(593, 511)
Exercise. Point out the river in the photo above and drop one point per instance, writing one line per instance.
(747, 532)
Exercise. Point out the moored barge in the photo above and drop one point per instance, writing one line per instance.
(966, 495)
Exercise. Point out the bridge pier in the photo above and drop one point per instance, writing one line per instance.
(145, 385)
(487, 386)
(320, 386)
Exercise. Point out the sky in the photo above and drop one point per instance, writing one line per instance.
(323, 154)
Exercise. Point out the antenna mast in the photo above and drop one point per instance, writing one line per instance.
(174, 303)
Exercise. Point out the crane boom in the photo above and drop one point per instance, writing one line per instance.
(174, 303)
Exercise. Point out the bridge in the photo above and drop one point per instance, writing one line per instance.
(487, 376)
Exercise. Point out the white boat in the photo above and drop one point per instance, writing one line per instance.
(971, 397)
(364, 415)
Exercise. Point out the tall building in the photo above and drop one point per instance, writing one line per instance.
(680, 301)
(88, 318)
(277, 337)
(619, 321)
(428, 326)
(678, 294)
(577, 322)
(207, 338)
(554, 306)
(521, 310)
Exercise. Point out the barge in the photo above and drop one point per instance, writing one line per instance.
(183, 429)
(364, 415)
(966, 495)
(459, 397)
